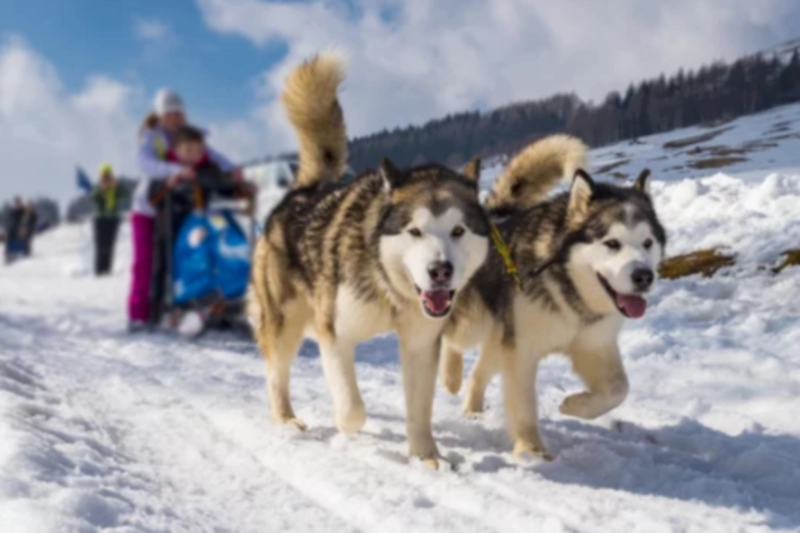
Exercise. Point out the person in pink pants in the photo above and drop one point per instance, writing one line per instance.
(139, 300)
(156, 137)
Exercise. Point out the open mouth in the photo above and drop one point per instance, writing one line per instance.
(630, 305)
(436, 302)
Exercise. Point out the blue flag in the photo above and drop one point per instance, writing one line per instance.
(83, 181)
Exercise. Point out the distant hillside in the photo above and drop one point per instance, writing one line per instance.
(713, 93)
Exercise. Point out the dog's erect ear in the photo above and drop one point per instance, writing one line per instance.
(642, 183)
(580, 194)
(472, 169)
(392, 178)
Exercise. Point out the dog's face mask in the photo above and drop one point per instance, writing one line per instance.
(622, 244)
(433, 239)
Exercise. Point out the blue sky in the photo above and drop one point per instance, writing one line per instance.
(76, 76)
(214, 72)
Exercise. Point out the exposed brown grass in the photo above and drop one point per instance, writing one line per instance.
(782, 129)
(707, 262)
(704, 262)
(725, 151)
(784, 137)
(696, 139)
(754, 146)
(790, 258)
(716, 123)
(715, 162)
(611, 166)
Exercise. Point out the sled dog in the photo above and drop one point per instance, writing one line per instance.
(343, 262)
(567, 271)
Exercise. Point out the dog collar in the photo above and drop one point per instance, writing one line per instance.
(505, 252)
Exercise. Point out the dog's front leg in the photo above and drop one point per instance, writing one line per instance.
(419, 357)
(485, 368)
(600, 366)
(338, 363)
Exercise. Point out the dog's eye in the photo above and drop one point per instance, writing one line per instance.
(458, 231)
(414, 232)
(613, 244)
(648, 244)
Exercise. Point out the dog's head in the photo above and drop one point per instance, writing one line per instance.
(433, 235)
(615, 243)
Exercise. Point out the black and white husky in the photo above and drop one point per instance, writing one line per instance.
(575, 266)
(344, 262)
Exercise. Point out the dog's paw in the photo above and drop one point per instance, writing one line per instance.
(472, 414)
(473, 406)
(577, 405)
(589, 406)
(352, 419)
(433, 464)
(452, 382)
(291, 421)
(425, 450)
(527, 451)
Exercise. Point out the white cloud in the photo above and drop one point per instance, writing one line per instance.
(46, 131)
(153, 30)
(102, 95)
(430, 58)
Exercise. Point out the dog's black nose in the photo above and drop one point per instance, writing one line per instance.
(440, 271)
(642, 278)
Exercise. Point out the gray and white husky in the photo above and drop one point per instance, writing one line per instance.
(343, 262)
(585, 260)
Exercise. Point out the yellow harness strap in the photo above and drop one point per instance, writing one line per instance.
(160, 146)
(197, 192)
(111, 199)
(505, 252)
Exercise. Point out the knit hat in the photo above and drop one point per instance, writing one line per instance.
(105, 168)
(167, 101)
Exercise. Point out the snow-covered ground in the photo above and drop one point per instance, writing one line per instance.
(103, 431)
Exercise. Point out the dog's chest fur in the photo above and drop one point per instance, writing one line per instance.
(544, 325)
(541, 328)
(359, 318)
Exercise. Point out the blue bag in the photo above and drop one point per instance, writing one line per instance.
(211, 255)
(192, 259)
(231, 255)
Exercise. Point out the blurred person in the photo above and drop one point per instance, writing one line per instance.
(14, 230)
(156, 141)
(30, 221)
(107, 198)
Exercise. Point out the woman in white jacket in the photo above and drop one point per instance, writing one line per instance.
(155, 142)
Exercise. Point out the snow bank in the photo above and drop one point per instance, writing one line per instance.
(758, 221)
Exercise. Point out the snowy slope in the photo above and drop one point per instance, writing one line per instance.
(102, 431)
(768, 140)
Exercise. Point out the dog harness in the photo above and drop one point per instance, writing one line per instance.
(511, 266)
(505, 252)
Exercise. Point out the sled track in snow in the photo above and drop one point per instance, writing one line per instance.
(189, 450)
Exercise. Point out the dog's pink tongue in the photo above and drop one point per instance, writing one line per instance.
(437, 302)
(634, 306)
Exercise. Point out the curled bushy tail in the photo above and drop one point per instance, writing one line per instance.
(532, 173)
(313, 109)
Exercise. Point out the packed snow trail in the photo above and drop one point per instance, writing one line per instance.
(103, 431)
